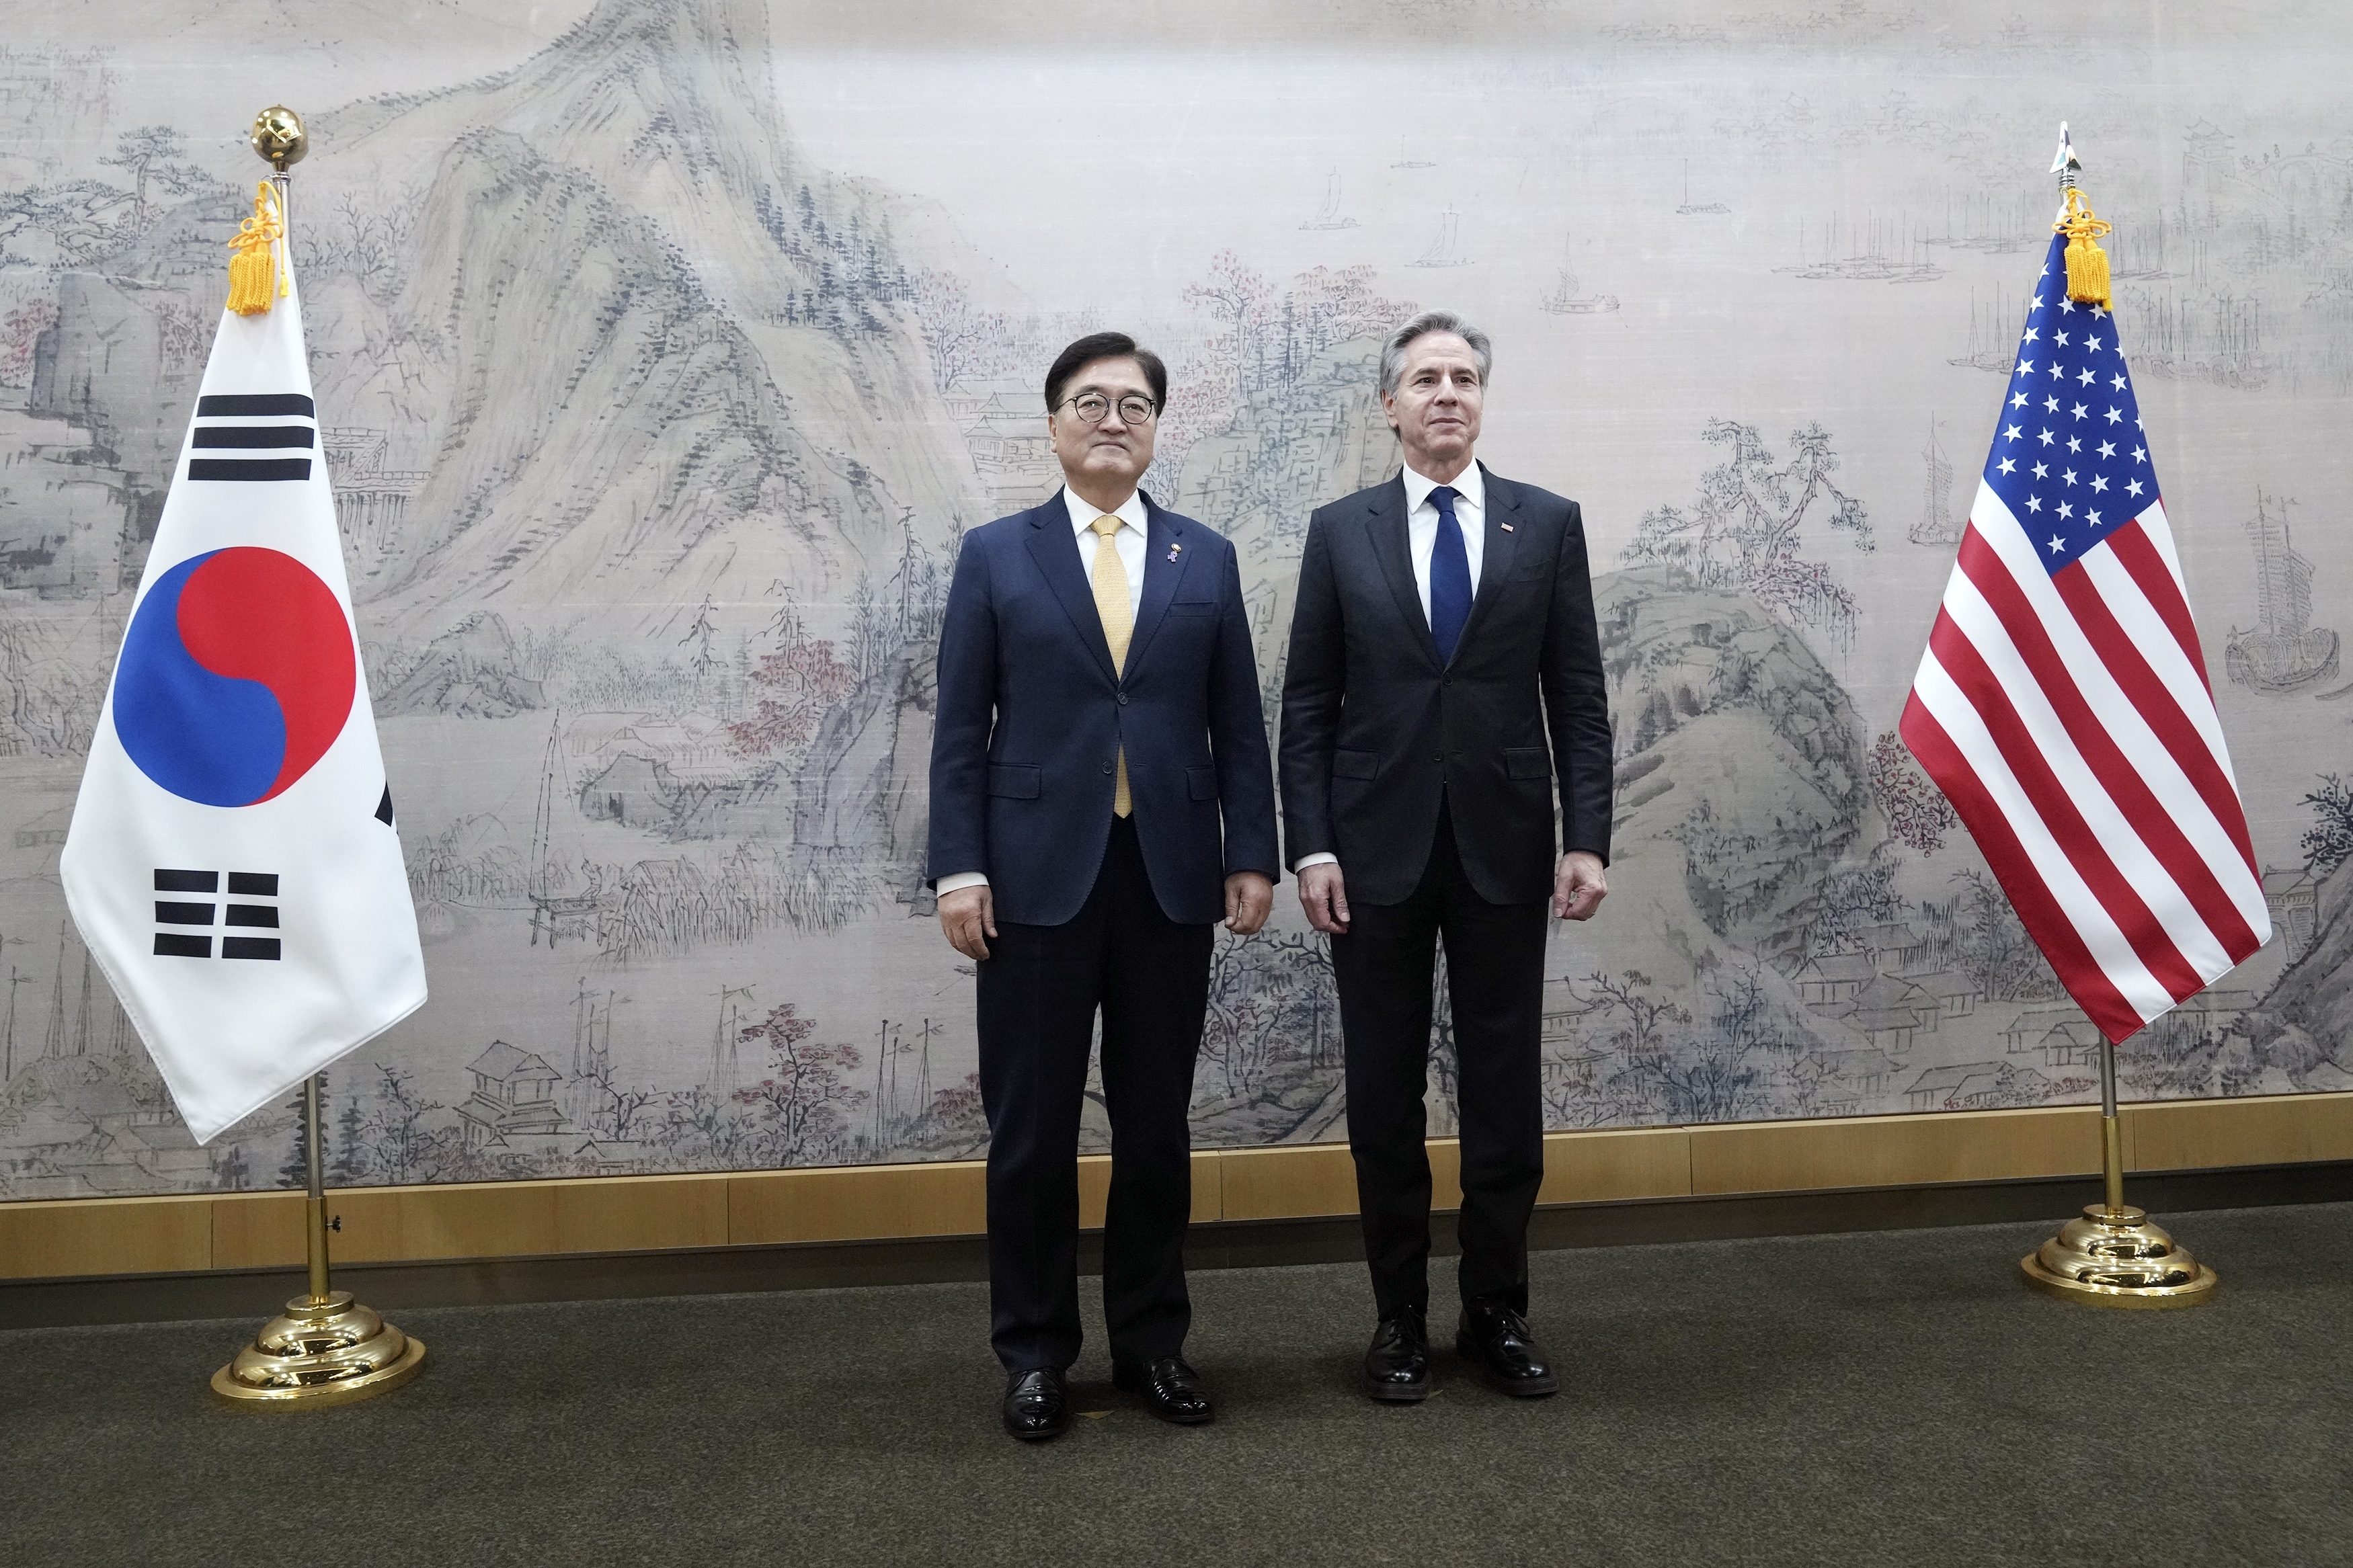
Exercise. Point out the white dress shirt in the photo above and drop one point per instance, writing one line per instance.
(1421, 539)
(1421, 525)
(1130, 543)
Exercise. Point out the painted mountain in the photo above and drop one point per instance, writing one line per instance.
(586, 326)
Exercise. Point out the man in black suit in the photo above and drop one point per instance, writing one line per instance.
(1101, 794)
(1444, 630)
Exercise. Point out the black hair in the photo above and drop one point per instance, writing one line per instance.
(1104, 345)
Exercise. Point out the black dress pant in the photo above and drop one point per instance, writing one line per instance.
(1495, 977)
(1037, 995)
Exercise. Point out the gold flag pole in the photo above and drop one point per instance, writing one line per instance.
(2112, 1257)
(326, 1349)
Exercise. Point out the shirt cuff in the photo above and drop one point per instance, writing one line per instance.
(1306, 860)
(960, 881)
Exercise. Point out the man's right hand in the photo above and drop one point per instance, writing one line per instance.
(1323, 894)
(968, 916)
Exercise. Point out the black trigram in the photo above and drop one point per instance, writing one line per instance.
(238, 917)
(255, 438)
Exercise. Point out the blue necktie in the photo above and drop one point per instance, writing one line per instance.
(1449, 578)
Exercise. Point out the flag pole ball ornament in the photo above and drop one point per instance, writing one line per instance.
(237, 675)
(277, 136)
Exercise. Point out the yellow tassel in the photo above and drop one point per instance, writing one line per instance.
(254, 269)
(2087, 263)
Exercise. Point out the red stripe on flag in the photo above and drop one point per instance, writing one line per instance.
(2046, 922)
(2059, 811)
(2146, 816)
(2150, 694)
(2138, 553)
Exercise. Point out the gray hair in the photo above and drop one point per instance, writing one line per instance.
(1429, 321)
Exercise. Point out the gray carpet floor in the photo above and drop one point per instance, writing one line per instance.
(1884, 1398)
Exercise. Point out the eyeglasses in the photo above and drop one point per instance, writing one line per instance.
(1091, 407)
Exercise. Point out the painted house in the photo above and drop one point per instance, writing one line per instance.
(514, 1096)
(2072, 1043)
(1889, 1011)
(2024, 1032)
(1834, 978)
(1954, 993)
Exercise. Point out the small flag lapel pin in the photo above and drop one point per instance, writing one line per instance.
(1505, 526)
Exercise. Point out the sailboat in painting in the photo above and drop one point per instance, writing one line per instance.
(1446, 245)
(2286, 650)
(1568, 299)
(1938, 525)
(1328, 216)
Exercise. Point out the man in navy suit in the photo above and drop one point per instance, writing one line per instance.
(1101, 795)
(1444, 633)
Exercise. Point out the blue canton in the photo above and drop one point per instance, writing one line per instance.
(2069, 458)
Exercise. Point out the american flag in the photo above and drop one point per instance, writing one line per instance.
(2063, 705)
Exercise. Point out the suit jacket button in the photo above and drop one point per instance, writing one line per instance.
(1106, 767)
(1123, 698)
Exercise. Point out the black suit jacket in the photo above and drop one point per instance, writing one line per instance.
(1373, 728)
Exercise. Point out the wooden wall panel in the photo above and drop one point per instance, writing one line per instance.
(105, 1235)
(246, 1230)
(631, 1213)
(2273, 1129)
(1895, 1151)
(858, 1202)
(1288, 1182)
(264, 1230)
(1208, 1186)
(1630, 1163)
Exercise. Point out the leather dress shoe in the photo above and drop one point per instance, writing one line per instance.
(1036, 1405)
(1169, 1388)
(1397, 1364)
(1498, 1341)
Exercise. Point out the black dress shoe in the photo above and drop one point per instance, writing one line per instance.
(1496, 1340)
(1035, 1407)
(1397, 1365)
(1169, 1388)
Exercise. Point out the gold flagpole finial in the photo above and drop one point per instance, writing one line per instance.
(277, 136)
(255, 276)
(2087, 263)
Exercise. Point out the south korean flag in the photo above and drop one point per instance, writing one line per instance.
(233, 863)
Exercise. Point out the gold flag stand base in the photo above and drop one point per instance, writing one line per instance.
(321, 1353)
(2117, 1259)
(2113, 1257)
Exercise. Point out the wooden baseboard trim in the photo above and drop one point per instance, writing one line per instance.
(595, 1215)
(244, 1295)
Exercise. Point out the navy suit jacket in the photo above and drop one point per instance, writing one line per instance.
(1031, 716)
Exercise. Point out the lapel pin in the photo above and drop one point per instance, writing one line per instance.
(1505, 526)
(1174, 551)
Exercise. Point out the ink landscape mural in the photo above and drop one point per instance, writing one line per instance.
(666, 350)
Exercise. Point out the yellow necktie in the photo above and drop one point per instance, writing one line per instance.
(1119, 625)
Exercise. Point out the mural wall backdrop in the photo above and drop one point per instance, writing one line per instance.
(666, 350)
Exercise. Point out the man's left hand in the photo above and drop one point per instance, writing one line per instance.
(1580, 886)
(1249, 896)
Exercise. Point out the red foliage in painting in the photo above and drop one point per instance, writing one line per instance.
(802, 1098)
(804, 679)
